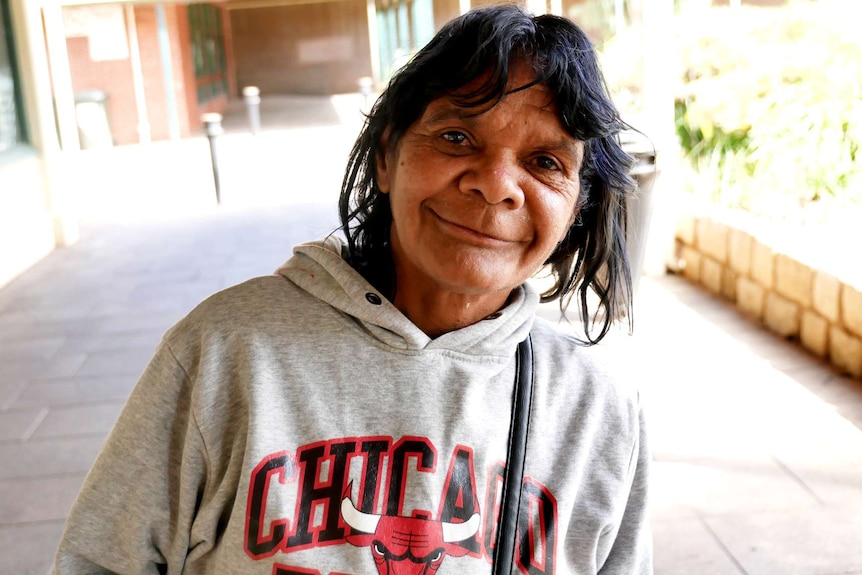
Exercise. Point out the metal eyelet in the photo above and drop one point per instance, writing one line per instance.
(373, 298)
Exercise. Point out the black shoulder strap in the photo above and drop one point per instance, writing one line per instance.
(507, 526)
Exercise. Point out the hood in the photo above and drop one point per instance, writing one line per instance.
(319, 269)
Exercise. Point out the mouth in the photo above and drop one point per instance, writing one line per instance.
(469, 234)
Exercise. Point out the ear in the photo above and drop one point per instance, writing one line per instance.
(381, 160)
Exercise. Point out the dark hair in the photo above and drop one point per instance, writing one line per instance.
(485, 43)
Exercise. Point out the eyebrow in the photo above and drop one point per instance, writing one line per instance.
(572, 146)
(448, 112)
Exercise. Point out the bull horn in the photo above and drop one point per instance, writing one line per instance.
(454, 532)
(357, 520)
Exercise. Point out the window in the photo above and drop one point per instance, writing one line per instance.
(403, 26)
(205, 29)
(11, 121)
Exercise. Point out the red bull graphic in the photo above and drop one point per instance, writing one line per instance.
(371, 495)
(407, 545)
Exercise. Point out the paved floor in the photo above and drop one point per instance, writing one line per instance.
(757, 445)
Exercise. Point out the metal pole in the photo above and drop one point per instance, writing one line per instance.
(213, 127)
(366, 85)
(251, 95)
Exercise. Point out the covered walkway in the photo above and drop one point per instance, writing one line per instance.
(757, 445)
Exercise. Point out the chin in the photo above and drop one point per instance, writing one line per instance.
(476, 277)
(479, 286)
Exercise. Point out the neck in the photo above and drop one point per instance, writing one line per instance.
(437, 312)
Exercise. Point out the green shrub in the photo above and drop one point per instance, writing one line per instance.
(770, 104)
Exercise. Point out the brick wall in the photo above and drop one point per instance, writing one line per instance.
(445, 10)
(115, 78)
(179, 52)
(302, 49)
(794, 299)
(151, 67)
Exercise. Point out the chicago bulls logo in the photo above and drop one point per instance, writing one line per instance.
(406, 545)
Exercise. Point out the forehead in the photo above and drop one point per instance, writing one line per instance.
(537, 100)
(522, 92)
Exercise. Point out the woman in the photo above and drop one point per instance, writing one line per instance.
(351, 414)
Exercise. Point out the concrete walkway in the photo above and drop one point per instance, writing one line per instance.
(757, 445)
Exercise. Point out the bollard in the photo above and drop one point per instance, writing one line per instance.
(213, 127)
(365, 86)
(251, 95)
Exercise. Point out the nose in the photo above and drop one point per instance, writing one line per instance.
(497, 178)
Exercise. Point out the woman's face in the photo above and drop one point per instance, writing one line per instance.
(479, 202)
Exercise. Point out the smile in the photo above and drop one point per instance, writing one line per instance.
(468, 234)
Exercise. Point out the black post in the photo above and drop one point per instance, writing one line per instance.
(251, 95)
(213, 127)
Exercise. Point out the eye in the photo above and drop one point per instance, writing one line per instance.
(379, 549)
(547, 163)
(454, 137)
(436, 557)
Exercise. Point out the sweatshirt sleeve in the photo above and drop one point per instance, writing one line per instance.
(135, 509)
(631, 553)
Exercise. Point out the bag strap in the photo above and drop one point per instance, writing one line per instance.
(507, 525)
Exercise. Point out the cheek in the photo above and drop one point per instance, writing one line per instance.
(407, 191)
(399, 206)
(558, 220)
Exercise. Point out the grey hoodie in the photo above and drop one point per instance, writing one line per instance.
(300, 424)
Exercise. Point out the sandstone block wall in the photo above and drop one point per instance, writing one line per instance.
(791, 298)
